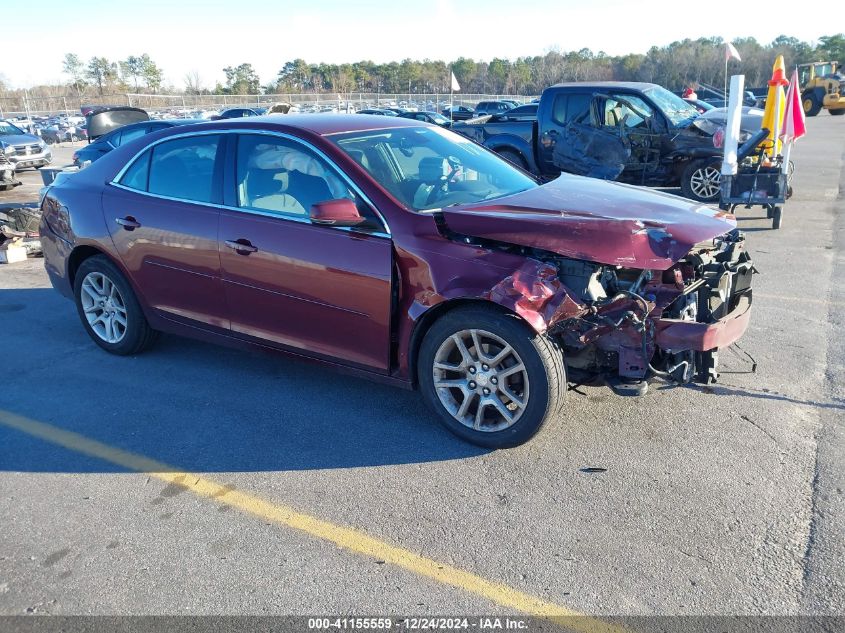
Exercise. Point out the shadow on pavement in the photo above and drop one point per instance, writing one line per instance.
(196, 406)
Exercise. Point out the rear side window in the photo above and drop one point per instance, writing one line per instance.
(184, 168)
(571, 107)
(130, 135)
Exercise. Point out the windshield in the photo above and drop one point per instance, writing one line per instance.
(678, 111)
(438, 118)
(7, 129)
(430, 168)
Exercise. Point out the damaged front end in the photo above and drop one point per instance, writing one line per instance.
(7, 173)
(669, 323)
(629, 283)
(622, 326)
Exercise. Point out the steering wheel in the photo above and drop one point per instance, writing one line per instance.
(456, 166)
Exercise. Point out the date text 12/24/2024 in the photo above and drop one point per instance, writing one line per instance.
(418, 623)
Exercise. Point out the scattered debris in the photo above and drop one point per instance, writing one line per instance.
(19, 236)
(593, 469)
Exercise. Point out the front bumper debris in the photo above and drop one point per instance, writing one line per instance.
(676, 335)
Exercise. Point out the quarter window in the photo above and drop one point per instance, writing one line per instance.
(136, 176)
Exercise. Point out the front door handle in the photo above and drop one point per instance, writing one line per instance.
(129, 223)
(242, 246)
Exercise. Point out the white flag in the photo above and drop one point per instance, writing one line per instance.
(730, 51)
(455, 85)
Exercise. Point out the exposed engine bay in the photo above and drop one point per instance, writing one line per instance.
(631, 328)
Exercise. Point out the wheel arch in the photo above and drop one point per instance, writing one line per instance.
(78, 255)
(429, 317)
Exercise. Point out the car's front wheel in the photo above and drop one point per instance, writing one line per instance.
(108, 308)
(491, 379)
(701, 180)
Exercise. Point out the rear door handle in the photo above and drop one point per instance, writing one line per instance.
(129, 223)
(241, 246)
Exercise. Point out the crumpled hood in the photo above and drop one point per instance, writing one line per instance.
(594, 220)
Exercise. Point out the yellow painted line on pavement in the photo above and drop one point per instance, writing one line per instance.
(344, 537)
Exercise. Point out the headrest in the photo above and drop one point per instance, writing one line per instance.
(434, 169)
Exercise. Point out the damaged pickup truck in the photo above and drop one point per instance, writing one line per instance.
(638, 133)
(401, 252)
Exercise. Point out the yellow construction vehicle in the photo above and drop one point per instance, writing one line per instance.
(822, 87)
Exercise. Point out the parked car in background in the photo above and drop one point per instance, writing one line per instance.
(21, 149)
(458, 113)
(526, 112)
(235, 113)
(377, 111)
(637, 133)
(402, 252)
(428, 117)
(492, 107)
(114, 139)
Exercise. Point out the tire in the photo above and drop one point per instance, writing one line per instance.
(811, 103)
(513, 157)
(136, 335)
(777, 217)
(540, 386)
(838, 112)
(700, 180)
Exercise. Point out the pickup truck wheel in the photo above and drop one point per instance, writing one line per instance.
(513, 157)
(838, 112)
(490, 379)
(701, 180)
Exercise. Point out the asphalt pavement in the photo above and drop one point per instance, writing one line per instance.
(194, 479)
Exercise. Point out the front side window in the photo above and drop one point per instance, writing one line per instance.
(285, 178)
(184, 168)
(627, 111)
(428, 168)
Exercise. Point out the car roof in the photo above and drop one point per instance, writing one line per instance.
(170, 122)
(320, 124)
(626, 85)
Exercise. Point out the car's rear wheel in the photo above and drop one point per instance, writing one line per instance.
(491, 379)
(701, 180)
(108, 308)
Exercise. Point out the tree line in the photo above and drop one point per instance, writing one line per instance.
(676, 65)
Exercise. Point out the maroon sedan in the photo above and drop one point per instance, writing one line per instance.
(402, 252)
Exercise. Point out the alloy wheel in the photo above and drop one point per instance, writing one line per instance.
(705, 182)
(104, 307)
(481, 380)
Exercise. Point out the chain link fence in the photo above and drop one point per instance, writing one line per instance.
(11, 107)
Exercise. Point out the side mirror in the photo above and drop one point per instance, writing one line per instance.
(340, 212)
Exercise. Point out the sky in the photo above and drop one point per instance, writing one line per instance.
(188, 35)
